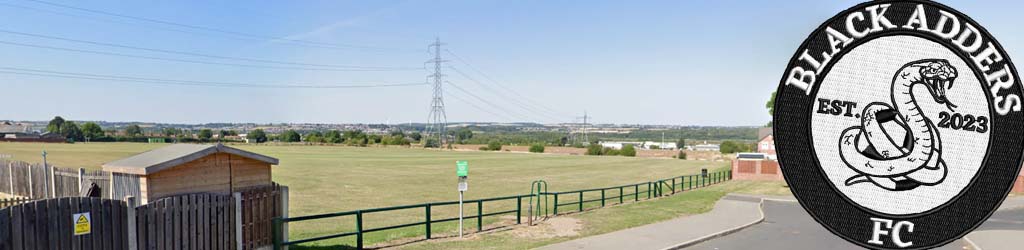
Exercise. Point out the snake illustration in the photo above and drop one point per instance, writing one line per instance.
(915, 161)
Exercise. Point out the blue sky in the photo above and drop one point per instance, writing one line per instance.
(628, 62)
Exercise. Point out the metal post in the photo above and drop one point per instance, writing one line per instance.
(284, 214)
(31, 189)
(479, 215)
(10, 171)
(460, 214)
(359, 230)
(275, 233)
(673, 185)
(581, 201)
(519, 210)
(556, 205)
(427, 212)
(636, 192)
(620, 195)
(133, 241)
(602, 197)
(648, 190)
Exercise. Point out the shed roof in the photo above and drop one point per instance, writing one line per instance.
(176, 154)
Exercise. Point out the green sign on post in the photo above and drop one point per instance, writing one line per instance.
(462, 168)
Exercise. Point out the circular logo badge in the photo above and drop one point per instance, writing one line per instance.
(898, 124)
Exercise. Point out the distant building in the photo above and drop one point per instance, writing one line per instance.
(766, 143)
(707, 147)
(636, 144)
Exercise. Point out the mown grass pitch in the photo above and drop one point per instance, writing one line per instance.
(326, 179)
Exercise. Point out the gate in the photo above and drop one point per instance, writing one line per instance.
(193, 221)
(49, 224)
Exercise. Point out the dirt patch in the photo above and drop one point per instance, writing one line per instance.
(550, 228)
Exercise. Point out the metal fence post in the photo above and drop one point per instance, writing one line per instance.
(359, 229)
(519, 209)
(673, 185)
(275, 232)
(602, 197)
(479, 215)
(132, 230)
(556, 205)
(427, 212)
(648, 190)
(581, 201)
(636, 192)
(620, 195)
(284, 214)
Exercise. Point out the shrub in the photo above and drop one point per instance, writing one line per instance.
(484, 148)
(537, 148)
(609, 151)
(431, 143)
(682, 155)
(595, 149)
(494, 146)
(628, 150)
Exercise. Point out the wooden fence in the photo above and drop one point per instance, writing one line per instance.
(194, 221)
(49, 224)
(13, 201)
(260, 207)
(37, 181)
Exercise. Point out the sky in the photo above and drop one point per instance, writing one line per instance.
(706, 63)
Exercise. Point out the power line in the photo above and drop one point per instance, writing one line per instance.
(197, 54)
(478, 71)
(520, 104)
(489, 103)
(506, 118)
(144, 80)
(189, 61)
(218, 30)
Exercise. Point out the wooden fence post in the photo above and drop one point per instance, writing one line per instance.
(238, 219)
(10, 171)
(53, 181)
(31, 189)
(133, 240)
(284, 214)
(81, 179)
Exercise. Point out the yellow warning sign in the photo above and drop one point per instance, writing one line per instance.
(82, 223)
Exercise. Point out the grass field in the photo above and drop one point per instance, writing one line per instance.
(326, 179)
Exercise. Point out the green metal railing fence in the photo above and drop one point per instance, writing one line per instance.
(652, 189)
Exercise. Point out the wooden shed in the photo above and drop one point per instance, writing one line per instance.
(192, 168)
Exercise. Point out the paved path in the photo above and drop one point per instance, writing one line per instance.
(783, 218)
(729, 213)
(788, 221)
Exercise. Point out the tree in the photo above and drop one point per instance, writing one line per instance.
(290, 136)
(333, 136)
(257, 135)
(537, 148)
(462, 135)
(92, 131)
(595, 149)
(494, 146)
(55, 125)
(770, 105)
(205, 134)
(431, 143)
(133, 130)
(416, 136)
(168, 132)
(730, 147)
(681, 144)
(627, 150)
(315, 137)
(71, 131)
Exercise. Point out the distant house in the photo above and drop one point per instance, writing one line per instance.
(20, 133)
(191, 168)
(766, 143)
(637, 144)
